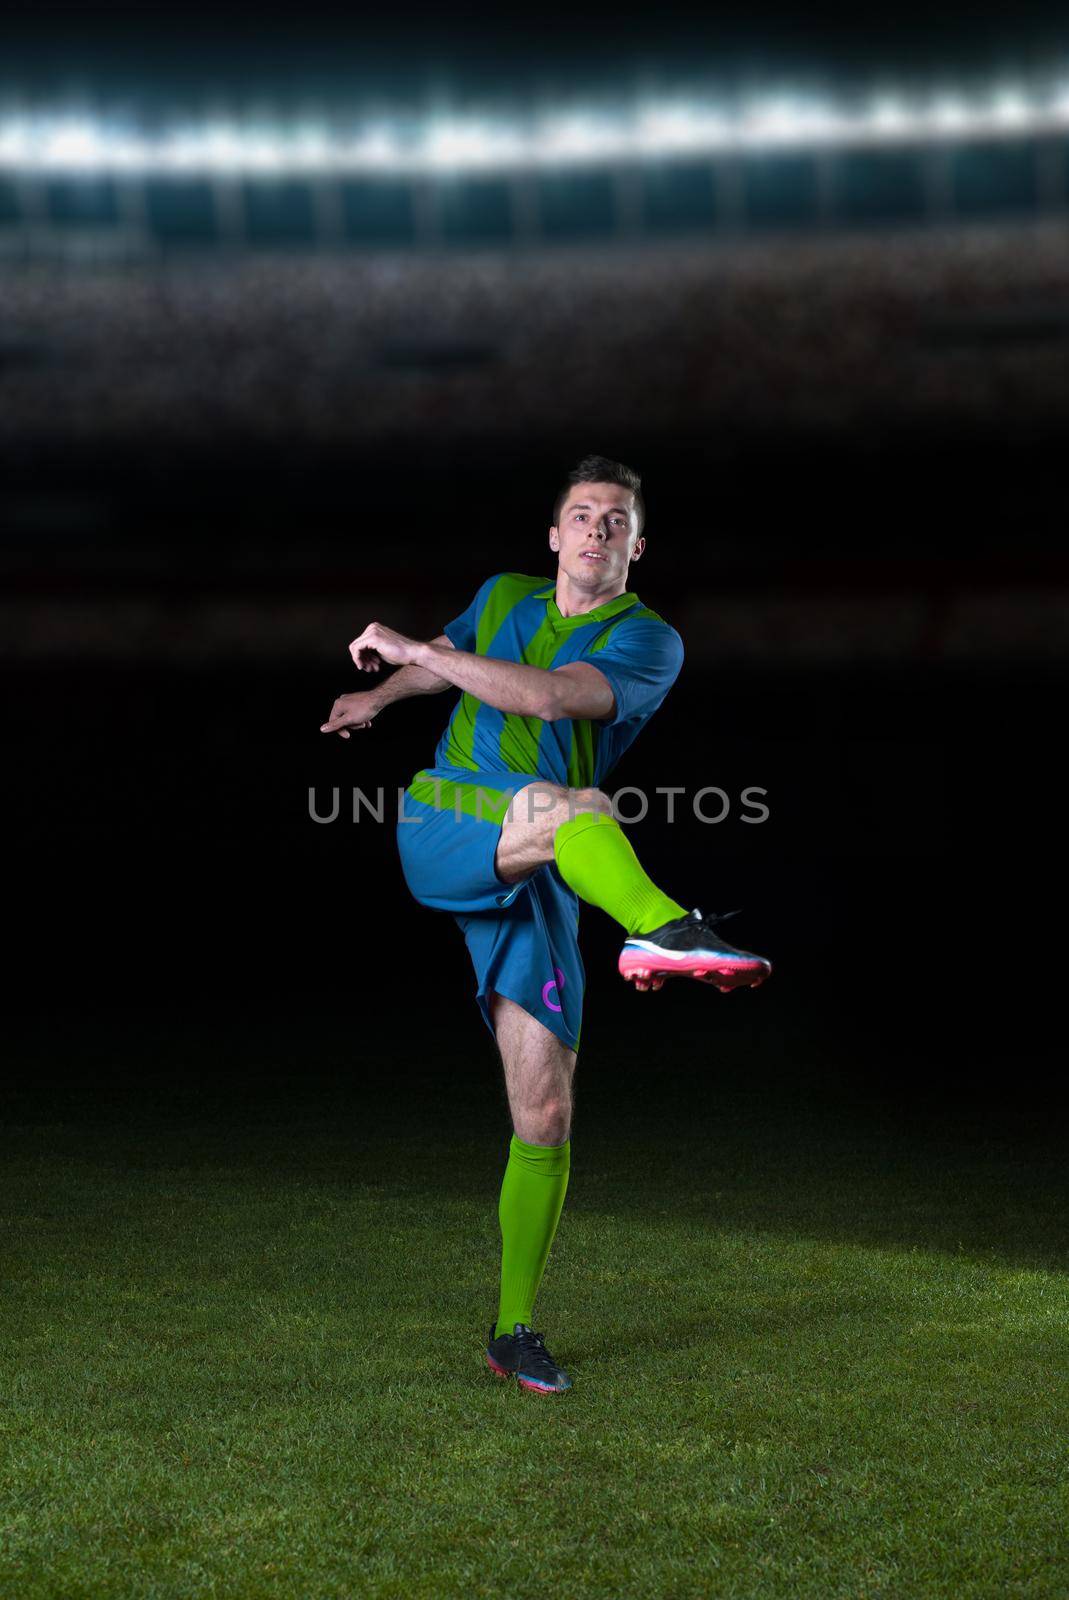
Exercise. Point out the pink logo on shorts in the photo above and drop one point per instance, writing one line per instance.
(556, 982)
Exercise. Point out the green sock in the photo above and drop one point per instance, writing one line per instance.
(595, 858)
(532, 1194)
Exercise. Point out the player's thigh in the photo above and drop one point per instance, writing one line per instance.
(539, 1066)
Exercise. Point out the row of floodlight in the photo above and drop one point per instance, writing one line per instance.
(54, 143)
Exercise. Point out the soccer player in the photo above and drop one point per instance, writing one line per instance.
(510, 829)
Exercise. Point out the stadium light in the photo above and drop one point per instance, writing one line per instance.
(1010, 109)
(949, 115)
(471, 146)
(888, 118)
(47, 142)
(678, 129)
(786, 122)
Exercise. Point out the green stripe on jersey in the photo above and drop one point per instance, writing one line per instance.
(465, 799)
(582, 760)
(508, 591)
(520, 735)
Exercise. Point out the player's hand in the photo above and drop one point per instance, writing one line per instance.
(378, 643)
(349, 711)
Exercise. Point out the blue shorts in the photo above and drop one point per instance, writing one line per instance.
(523, 938)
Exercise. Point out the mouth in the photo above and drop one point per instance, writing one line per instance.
(592, 555)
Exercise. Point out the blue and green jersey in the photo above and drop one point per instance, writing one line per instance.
(515, 618)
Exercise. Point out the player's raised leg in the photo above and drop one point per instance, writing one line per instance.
(539, 1069)
(576, 828)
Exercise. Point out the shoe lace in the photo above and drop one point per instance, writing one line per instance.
(714, 916)
(535, 1356)
(529, 1340)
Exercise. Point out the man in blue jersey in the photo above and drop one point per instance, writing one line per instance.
(511, 828)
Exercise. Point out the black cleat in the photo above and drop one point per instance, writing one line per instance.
(688, 947)
(522, 1355)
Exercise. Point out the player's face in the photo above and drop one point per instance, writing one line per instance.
(597, 536)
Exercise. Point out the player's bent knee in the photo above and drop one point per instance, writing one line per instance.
(590, 800)
(580, 803)
(547, 805)
(536, 805)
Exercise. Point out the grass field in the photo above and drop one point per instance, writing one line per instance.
(819, 1344)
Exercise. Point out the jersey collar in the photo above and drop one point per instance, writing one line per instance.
(611, 608)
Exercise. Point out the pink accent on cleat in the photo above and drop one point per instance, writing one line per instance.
(727, 973)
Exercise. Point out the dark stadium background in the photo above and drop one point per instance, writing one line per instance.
(223, 457)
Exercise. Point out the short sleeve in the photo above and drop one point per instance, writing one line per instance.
(641, 661)
(463, 631)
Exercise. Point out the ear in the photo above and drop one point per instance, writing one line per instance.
(640, 545)
(554, 539)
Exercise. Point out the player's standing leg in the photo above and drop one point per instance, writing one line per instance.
(539, 1069)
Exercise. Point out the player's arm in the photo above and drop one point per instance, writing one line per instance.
(575, 690)
(358, 710)
(580, 690)
(412, 679)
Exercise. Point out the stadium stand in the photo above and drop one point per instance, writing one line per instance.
(961, 325)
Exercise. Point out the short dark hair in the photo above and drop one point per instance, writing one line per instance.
(599, 469)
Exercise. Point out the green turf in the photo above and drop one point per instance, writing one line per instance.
(813, 1355)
